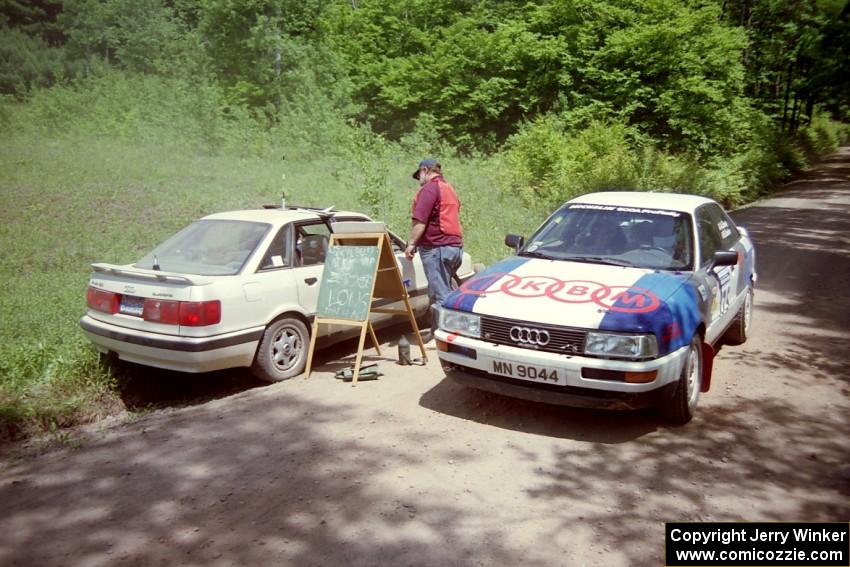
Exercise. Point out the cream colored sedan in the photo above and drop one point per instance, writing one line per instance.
(232, 289)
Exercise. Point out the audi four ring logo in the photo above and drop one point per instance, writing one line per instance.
(528, 336)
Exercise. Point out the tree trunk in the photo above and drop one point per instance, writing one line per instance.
(788, 77)
(795, 115)
(748, 26)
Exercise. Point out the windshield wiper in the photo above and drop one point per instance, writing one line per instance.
(536, 255)
(598, 260)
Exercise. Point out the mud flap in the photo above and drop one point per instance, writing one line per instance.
(707, 364)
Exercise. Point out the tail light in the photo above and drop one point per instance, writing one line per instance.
(200, 313)
(186, 313)
(161, 311)
(101, 300)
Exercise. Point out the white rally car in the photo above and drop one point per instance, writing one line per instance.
(616, 301)
(232, 289)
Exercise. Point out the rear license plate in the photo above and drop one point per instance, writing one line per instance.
(531, 372)
(132, 305)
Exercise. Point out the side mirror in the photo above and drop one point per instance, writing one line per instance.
(514, 241)
(724, 258)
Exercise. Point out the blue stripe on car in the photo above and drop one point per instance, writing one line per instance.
(464, 298)
(673, 322)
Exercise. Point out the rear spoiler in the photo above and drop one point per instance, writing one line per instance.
(149, 275)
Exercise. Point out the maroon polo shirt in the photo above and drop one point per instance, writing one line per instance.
(436, 204)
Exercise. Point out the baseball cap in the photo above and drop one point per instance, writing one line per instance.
(429, 163)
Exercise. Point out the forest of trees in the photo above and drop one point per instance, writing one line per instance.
(739, 89)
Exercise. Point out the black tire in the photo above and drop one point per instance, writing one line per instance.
(283, 350)
(739, 331)
(423, 321)
(681, 407)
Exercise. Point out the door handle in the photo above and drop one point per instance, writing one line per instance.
(310, 281)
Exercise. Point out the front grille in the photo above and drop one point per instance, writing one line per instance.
(563, 340)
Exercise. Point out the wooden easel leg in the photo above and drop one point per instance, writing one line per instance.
(374, 338)
(310, 352)
(359, 354)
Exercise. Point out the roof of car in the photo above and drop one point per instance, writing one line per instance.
(645, 199)
(277, 215)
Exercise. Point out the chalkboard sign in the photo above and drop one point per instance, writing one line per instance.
(354, 276)
(347, 282)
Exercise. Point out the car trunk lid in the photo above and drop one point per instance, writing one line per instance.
(132, 286)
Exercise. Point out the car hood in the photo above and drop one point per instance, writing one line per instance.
(590, 296)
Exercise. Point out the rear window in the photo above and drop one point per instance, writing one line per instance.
(208, 248)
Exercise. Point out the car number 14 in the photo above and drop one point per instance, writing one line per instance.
(525, 372)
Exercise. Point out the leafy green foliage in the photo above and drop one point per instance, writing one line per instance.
(669, 70)
(27, 62)
(369, 154)
(821, 136)
(683, 75)
(473, 75)
(255, 46)
(796, 57)
(135, 34)
(546, 165)
(35, 18)
(673, 72)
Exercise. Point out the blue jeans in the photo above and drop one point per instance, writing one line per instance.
(440, 264)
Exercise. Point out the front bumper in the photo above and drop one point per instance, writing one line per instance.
(185, 354)
(576, 391)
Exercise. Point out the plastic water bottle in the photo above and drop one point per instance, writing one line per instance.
(404, 351)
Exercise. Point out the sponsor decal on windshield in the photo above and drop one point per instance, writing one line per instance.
(674, 214)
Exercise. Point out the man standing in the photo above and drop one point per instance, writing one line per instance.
(436, 231)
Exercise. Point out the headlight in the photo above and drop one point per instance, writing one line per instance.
(460, 323)
(621, 346)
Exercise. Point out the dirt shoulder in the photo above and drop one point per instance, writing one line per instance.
(414, 470)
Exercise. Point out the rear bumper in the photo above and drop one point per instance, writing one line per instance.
(185, 354)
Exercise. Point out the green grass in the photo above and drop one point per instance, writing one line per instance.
(67, 202)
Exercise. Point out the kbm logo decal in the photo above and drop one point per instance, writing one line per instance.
(625, 299)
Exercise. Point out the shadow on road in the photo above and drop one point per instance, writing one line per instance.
(598, 426)
(252, 483)
(699, 473)
(147, 388)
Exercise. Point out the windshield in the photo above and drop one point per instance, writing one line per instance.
(207, 248)
(624, 236)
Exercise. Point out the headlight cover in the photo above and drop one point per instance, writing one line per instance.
(621, 346)
(460, 323)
